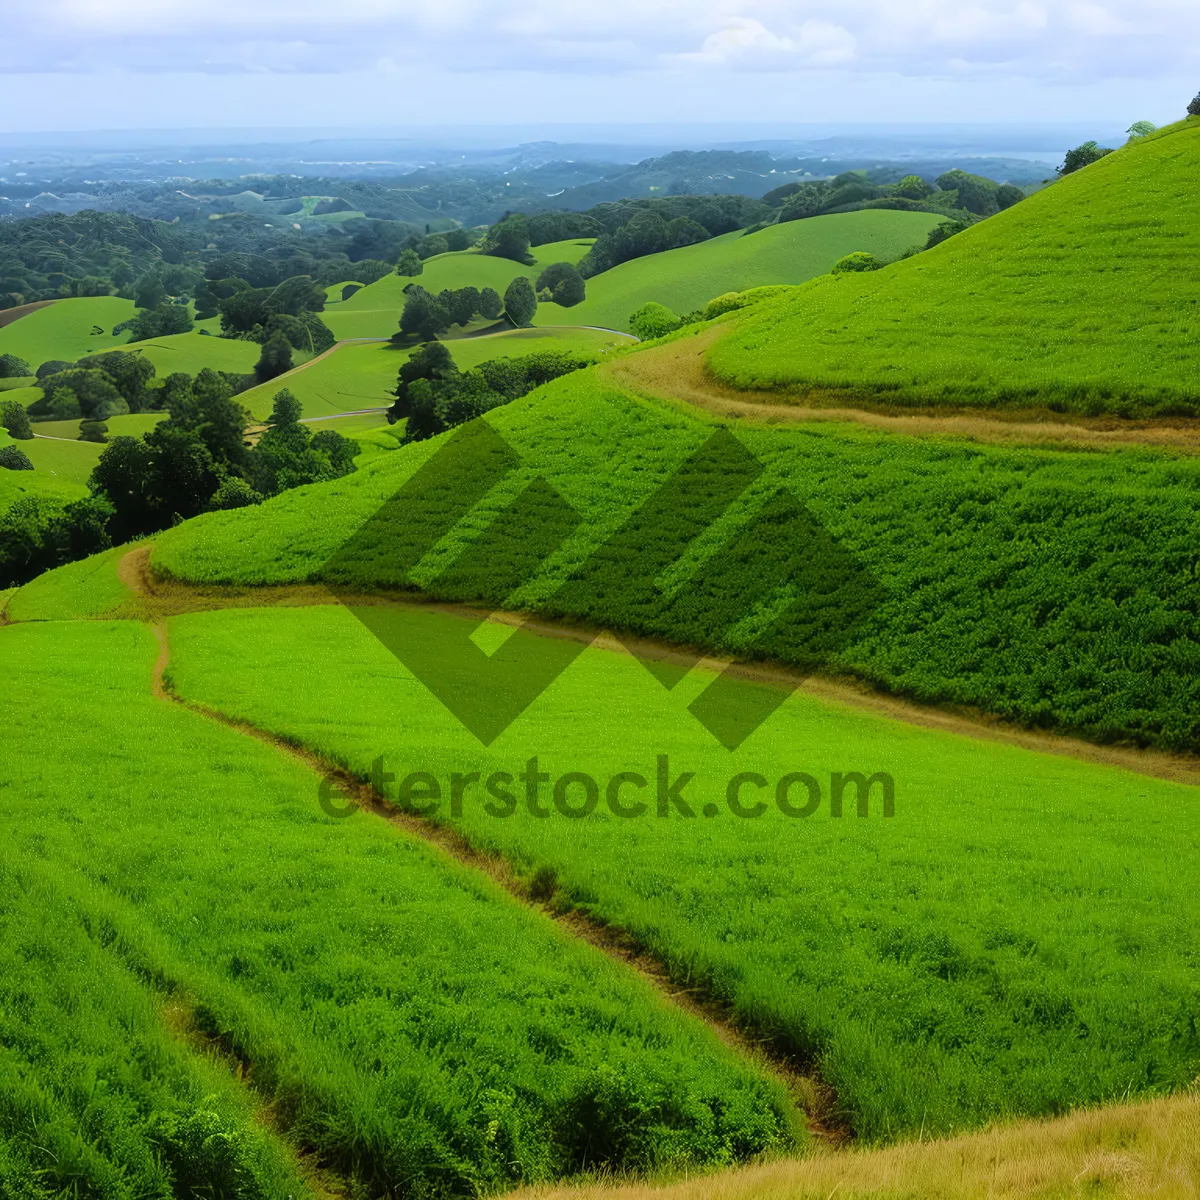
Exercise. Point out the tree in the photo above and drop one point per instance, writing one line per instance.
(13, 458)
(92, 394)
(15, 419)
(912, 187)
(217, 419)
(122, 476)
(1008, 194)
(490, 304)
(52, 367)
(653, 320)
(1194, 107)
(860, 260)
(235, 493)
(564, 283)
(431, 362)
(161, 321)
(520, 302)
(12, 367)
(130, 373)
(1141, 129)
(423, 314)
(149, 292)
(1082, 156)
(807, 201)
(509, 238)
(93, 431)
(410, 264)
(275, 360)
(285, 410)
(463, 305)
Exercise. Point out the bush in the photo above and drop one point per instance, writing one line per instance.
(653, 320)
(52, 367)
(860, 260)
(728, 302)
(15, 419)
(93, 431)
(409, 264)
(13, 458)
(12, 367)
(69, 395)
(1083, 156)
(275, 360)
(563, 283)
(161, 321)
(1194, 107)
(235, 493)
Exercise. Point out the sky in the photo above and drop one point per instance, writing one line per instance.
(145, 64)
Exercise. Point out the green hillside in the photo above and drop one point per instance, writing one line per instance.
(1060, 593)
(63, 330)
(363, 375)
(374, 311)
(686, 279)
(192, 352)
(1079, 299)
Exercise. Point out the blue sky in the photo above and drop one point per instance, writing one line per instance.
(112, 64)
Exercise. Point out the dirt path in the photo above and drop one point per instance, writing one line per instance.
(9, 315)
(676, 372)
(812, 1096)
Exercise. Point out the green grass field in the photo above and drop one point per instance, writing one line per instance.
(87, 588)
(375, 310)
(192, 352)
(1015, 939)
(129, 425)
(686, 279)
(362, 375)
(1078, 299)
(1051, 588)
(403, 1019)
(63, 330)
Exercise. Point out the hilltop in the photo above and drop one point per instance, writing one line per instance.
(1080, 299)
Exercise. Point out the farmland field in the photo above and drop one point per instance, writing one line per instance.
(513, 1052)
(1077, 300)
(1067, 980)
(688, 278)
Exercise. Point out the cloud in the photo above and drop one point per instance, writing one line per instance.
(1047, 40)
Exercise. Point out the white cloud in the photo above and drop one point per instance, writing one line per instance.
(1051, 40)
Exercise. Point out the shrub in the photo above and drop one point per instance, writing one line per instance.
(12, 367)
(13, 458)
(409, 264)
(275, 360)
(653, 320)
(235, 493)
(15, 419)
(1141, 129)
(860, 260)
(722, 304)
(162, 320)
(52, 367)
(93, 431)
(563, 284)
(1083, 156)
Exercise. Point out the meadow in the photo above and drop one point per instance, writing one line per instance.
(374, 311)
(1052, 588)
(406, 1023)
(1016, 939)
(363, 374)
(192, 352)
(686, 279)
(63, 330)
(1078, 299)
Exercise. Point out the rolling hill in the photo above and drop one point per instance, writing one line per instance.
(64, 330)
(688, 278)
(1079, 299)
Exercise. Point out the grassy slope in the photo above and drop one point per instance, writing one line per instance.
(363, 376)
(1079, 298)
(87, 588)
(1014, 940)
(64, 330)
(1047, 587)
(406, 1019)
(688, 278)
(375, 311)
(192, 352)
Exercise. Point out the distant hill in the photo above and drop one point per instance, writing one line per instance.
(1080, 299)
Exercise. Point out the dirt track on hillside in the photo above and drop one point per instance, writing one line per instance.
(676, 371)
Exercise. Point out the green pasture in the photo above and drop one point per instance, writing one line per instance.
(1078, 299)
(192, 352)
(1052, 588)
(409, 1025)
(363, 375)
(59, 474)
(1017, 939)
(374, 311)
(71, 462)
(88, 588)
(63, 330)
(128, 424)
(686, 279)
